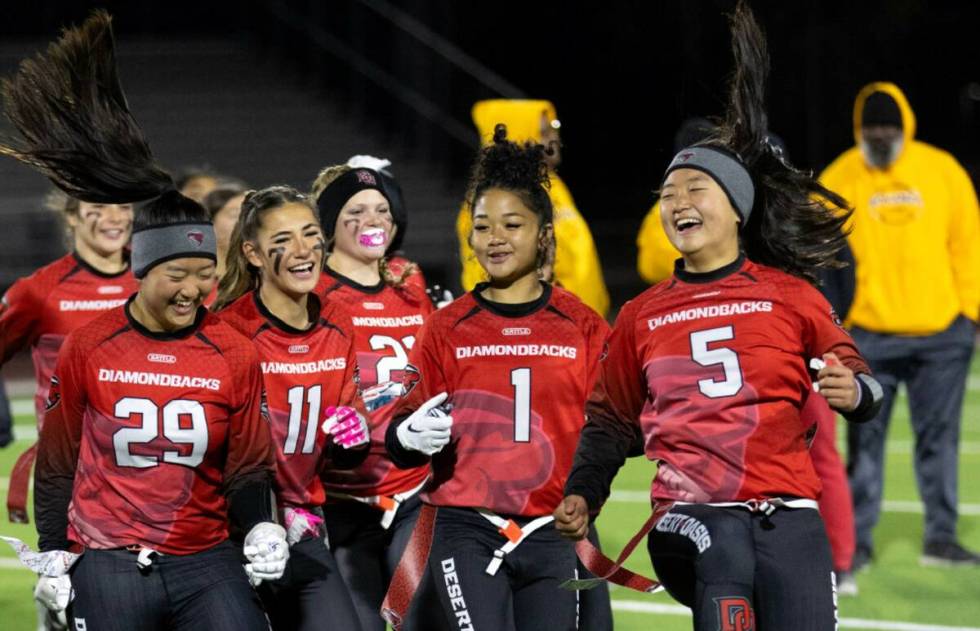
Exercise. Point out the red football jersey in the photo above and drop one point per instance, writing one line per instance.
(41, 310)
(714, 369)
(304, 372)
(386, 321)
(153, 428)
(518, 378)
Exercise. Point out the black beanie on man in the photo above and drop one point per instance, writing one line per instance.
(880, 109)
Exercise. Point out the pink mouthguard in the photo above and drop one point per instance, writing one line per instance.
(373, 238)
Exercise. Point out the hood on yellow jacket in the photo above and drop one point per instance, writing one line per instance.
(522, 117)
(892, 90)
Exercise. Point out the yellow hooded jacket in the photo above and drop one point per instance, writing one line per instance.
(655, 254)
(915, 232)
(577, 267)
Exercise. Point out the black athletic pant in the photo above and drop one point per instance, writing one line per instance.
(6, 417)
(522, 596)
(367, 556)
(205, 591)
(934, 369)
(311, 595)
(742, 571)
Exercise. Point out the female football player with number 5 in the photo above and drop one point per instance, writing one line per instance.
(515, 360)
(711, 365)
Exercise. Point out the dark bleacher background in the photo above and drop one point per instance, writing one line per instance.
(270, 91)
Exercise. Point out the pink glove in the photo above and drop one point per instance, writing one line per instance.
(347, 426)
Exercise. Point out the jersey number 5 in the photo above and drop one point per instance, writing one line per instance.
(196, 435)
(726, 357)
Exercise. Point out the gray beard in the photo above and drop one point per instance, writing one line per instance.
(881, 154)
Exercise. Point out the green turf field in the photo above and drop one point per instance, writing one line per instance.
(895, 593)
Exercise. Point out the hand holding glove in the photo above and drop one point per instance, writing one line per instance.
(428, 428)
(348, 428)
(267, 552)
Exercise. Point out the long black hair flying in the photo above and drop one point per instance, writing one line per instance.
(797, 225)
(74, 124)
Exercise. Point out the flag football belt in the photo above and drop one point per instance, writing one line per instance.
(514, 533)
(605, 569)
(411, 568)
(144, 555)
(387, 503)
(766, 506)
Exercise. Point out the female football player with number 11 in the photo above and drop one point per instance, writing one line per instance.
(515, 359)
(711, 365)
(308, 367)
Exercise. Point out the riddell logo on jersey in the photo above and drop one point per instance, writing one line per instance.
(374, 306)
(517, 330)
(299, 349)
(160, 358)
(106, 290)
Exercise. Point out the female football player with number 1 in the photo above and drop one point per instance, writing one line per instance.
(371, 511)
(308, 366)
(154, 437)
(515, 359)
(712, 366)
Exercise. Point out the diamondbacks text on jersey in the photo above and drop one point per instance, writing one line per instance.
(304, 372)
(41, 310)
(518, 382)
(386, 321)
(148, 434)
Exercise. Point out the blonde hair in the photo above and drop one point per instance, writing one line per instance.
(325, 178)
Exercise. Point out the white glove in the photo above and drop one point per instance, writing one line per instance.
(368, 162)
(428, 429)
(300, 523)
(267, 552)
(54, 592)
(348, 427)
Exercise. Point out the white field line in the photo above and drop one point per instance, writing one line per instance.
(889, 506)
(637, 606)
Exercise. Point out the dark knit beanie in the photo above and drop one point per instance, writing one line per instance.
(881, 109)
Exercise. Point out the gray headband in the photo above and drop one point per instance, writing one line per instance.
(159, 244)
(725, 169)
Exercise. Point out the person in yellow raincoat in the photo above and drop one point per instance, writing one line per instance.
(915, 235)
(576, 262)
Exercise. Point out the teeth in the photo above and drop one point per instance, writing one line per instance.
(305, 267)
(683, 224)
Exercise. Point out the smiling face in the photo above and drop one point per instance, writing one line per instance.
(506, 236)
(364, 227)
(698, 218)
(171, 292)
(103, 229)
(288, 249)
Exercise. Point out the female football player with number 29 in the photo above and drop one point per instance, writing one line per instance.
(154, 436)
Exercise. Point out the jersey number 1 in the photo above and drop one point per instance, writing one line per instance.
(728, 359)
(520, 378)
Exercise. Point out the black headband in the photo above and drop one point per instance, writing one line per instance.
(333, 198)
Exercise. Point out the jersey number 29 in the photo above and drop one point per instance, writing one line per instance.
(196, 435)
